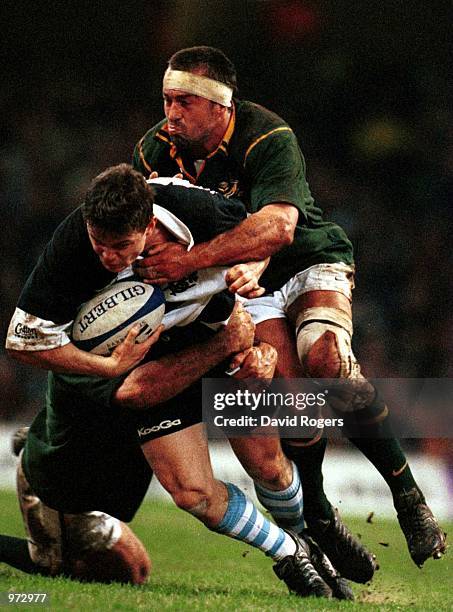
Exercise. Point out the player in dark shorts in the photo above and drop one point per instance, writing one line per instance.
(243, 150)
(86, 414)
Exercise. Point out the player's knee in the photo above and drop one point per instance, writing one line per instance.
(110, 567)
(136, 573)
(195, 502)
(115, 555)
(323, 359)
(325, 351)
(132, 557)
(324, 343)
(139, 570)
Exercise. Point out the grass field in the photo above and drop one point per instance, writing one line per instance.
(194, 569)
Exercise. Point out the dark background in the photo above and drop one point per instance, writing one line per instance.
(365, 85)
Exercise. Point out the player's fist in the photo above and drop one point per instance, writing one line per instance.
(258, 361)
(240, 330)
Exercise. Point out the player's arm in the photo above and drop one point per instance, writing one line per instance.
(157, 381)
(138, 160)
(67, 273)
(256, 238)
(68, 359)
(275, 169)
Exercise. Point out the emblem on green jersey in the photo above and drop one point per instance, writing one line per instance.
(229, 188)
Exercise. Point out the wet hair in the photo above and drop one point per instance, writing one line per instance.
(213, 63)
(119, 201)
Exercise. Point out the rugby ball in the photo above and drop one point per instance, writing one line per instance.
(104, 321)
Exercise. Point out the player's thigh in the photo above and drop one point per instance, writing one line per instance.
(180, 460)
(280, 334)
(319, 299)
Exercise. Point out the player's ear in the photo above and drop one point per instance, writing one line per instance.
(151, 225)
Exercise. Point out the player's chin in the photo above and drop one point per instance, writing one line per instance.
(115, 268)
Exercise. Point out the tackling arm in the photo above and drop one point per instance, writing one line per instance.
(256, 238)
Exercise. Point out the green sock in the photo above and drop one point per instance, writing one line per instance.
(388, 458)
(308, 460)
(371, 432)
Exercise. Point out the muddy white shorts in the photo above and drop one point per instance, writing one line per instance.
(320, 277)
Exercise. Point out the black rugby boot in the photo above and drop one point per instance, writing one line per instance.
(424, 537)
(298, 573)
(349, 557)
(339, 585)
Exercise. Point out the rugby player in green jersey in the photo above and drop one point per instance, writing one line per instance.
(242, 149)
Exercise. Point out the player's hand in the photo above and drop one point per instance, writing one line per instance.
(257, 361)
(164, 263)
(240, 330)
(129, 353)
(155, 175)
(244, 278)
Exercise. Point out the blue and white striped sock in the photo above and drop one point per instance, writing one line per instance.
(243, 521)
(286, 507)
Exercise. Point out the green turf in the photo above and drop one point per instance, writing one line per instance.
(194, 569)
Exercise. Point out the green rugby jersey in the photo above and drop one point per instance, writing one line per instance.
(260, 162)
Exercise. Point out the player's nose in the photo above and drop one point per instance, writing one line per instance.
(108, 256)
(173, 113)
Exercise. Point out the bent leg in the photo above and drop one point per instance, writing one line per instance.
(347, 554)
(276, 479)
(181, 463)
(323, 324)
(263, 460)
(324, 330)
(43, 528)
(85, 546)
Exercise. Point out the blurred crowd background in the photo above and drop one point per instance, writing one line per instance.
(365, 85)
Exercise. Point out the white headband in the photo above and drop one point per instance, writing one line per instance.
(198, 86)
